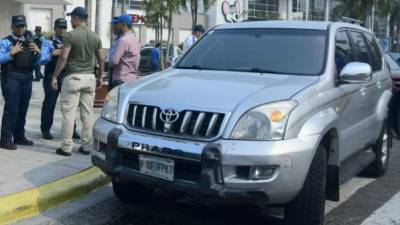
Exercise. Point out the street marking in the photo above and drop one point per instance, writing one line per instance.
(387, 214)
(347, 190)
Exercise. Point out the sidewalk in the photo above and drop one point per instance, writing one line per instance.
(32, 167)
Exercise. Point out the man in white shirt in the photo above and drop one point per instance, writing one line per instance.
(198, 31)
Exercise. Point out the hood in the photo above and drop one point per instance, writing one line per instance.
(212, 89)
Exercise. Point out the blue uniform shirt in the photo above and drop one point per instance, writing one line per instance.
(155, 57)
(5, 52)
(47, 50)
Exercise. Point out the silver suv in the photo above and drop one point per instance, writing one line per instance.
(276, 113)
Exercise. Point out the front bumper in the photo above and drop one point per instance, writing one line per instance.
(211, 168)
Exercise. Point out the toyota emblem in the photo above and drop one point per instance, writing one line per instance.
(169, 116)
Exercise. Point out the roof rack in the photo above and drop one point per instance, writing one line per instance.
(350, 20)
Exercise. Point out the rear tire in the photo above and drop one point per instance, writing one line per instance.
(130, 192)
(381, 149)
(308, 208)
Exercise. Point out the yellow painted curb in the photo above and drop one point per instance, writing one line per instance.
(31, 202)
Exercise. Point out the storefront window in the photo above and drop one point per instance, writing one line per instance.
(263, 9)
(336, 9)
(316, 9)
(130, 4)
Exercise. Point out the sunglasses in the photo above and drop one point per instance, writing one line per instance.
(61, 27)
(21, 26)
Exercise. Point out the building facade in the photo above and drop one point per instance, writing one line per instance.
(44, 12)
(38, 13)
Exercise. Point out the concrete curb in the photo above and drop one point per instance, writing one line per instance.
(31, 202)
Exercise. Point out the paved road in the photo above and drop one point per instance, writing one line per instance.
(364, 201)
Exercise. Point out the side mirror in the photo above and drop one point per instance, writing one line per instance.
(356, 72)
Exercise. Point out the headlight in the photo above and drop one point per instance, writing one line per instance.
(266, 122)
(110, 107)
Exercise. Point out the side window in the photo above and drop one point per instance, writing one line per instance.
(376, 55)
(343, 53)
(360, 48)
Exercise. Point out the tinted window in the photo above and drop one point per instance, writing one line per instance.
(343, 53)
(281, 51)
(360, 48)
(376, 55)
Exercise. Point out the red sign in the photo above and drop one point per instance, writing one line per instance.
(138, 18)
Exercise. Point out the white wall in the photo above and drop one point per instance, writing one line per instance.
(215, 15)
(8, 9)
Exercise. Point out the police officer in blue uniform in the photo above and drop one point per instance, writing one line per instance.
(38, 39)
(18, 57)
(51, 50)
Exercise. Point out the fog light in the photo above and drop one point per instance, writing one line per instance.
(262, 172)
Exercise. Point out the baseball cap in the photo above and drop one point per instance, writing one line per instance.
(60, 23)
(114, 20)
(79, 12)
(18, 20)
(199, 28)
(125, 18)
(38, 28)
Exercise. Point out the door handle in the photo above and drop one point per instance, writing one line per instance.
(363, 90)
(379, 84)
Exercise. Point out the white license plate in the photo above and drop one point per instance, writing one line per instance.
(162, 168)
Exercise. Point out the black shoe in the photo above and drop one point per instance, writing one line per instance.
(61, 152)
(8, 146)
(75, 135)
(83, 151)
(47, 135)
(23, 141)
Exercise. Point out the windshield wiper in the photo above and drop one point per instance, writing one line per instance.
(259, 70)
(195, 67)
(254, 70)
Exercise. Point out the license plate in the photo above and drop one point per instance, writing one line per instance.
(162, 168)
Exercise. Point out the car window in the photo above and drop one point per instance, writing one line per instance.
(392, 64)
(376, 55)
(343, 52)
(275, 51)
(360, 48)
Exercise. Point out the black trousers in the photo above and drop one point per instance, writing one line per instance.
(49, 103)
(17, 92)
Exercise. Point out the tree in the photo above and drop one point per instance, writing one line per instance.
(194, 8)
(156, 14)
(172, 7)
(391, 8)
(359, 9)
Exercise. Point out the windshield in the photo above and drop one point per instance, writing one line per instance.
(280, 51)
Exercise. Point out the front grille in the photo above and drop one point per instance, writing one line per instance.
(184, 169)
(190, 123)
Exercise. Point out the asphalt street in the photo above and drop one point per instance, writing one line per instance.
(364, 201)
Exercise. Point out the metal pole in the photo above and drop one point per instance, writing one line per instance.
(307, 9)
(327, 10)
(289, 10)
(373, 16)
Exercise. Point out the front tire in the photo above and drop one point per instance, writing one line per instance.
(308, 208)
(130, 192)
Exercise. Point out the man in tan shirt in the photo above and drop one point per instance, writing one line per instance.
(79, 85)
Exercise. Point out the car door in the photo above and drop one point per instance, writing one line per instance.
(375, 88)
(352, 103)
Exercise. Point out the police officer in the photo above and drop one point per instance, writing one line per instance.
(18, 57)
(38, 39)
(51, 50)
